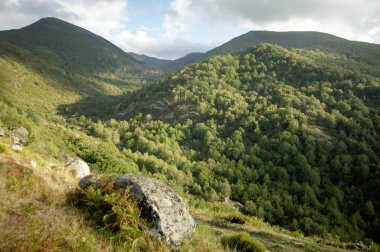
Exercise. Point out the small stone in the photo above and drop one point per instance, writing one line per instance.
(33, 164)
(16, 147)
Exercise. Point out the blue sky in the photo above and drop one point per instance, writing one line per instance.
(173, 28)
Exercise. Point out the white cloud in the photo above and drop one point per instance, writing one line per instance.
(101, 17)
(167, 46)
(181, 15)
(353, 19)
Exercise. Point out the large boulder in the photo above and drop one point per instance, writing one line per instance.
(2, 133)
(160, 205)
(78, 167)
(22, 134)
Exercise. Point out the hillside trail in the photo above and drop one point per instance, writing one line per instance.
(273, 240)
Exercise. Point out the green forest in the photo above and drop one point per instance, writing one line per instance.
(289, 133)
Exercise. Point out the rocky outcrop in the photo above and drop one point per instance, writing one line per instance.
(78, 167)
(21, 134)
(160, 205)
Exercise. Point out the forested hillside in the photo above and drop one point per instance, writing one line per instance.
(290, 134)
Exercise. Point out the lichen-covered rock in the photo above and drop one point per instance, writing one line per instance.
(2, 133)
(78, 167)
(15, 140)
(160, 205)
(22, 134)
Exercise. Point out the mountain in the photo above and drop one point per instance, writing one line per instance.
(151, 61)
(68, 46)
(264, 136)
(52, 62)
(366, 53)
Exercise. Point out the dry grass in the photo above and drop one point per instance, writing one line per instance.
(34, 215)
(205, 239)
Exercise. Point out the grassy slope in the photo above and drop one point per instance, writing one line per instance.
(50, 63)
(34, 215)
(69, 47)
(30, 89)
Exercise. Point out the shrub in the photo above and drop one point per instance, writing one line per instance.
(243, 242)
(236, 218)
(3, 149)
(113, 211)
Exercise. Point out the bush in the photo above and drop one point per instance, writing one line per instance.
(243, 242)
(3, 149)
(112, 210)
(236, 218)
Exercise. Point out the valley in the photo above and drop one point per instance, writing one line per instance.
(277, 130)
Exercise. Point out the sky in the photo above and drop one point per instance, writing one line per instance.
(173, 28)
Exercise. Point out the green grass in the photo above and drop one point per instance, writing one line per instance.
(243, 242)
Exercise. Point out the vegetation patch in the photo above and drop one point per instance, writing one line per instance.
(243, 242)
(237, 218)
(3, 149)
(34, 216)
(116, 216)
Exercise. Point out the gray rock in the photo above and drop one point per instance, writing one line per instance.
(22, 134)
(78, 167)
(15, 140)
(16, 147)
(160, 205)
(2, 133)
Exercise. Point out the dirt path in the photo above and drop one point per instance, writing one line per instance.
(273, 240)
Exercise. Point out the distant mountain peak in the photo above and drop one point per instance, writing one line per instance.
(50, 19)
(69, 46)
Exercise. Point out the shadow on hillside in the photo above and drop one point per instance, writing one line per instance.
(92, 85)
(104, 107)
(98, 107)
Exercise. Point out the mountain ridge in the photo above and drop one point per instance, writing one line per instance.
(289, 39)
(69, 44)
